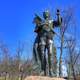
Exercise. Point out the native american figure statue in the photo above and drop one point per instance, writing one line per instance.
(43, 44)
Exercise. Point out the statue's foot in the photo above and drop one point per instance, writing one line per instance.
(42, 73)
(51, 73)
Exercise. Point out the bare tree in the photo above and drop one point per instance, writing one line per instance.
(66, 22)
(72, 59)
(19, 63)
(5, 60)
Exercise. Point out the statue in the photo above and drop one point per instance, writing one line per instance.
(44, 40)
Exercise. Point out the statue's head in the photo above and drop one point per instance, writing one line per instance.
(46, 14)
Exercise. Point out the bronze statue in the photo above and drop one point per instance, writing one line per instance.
(44, 40)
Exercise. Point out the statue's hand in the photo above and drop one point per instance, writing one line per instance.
(58, 12)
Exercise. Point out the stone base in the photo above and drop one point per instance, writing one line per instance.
(42, 78)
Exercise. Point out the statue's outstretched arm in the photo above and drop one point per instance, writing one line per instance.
(59, 20)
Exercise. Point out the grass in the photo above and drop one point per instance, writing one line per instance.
(15, 78)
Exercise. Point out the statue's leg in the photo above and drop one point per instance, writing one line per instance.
(54, 61)
(45, 63)
(50, 46)
(35, 50)
(39, 54)
(42, 54)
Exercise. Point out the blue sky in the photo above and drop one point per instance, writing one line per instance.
(16, 19)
